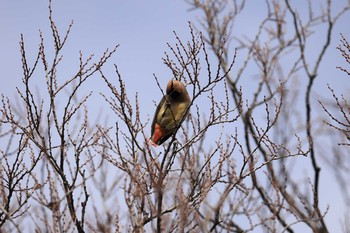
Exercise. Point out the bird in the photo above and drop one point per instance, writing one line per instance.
(170, 112)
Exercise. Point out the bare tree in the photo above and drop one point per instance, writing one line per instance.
(49, 154)
(230, 167)
(170, 186)
(338, 119)
(283, 38)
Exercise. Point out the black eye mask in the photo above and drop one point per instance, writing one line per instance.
(174, 94)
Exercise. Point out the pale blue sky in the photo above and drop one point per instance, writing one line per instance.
(142, 28)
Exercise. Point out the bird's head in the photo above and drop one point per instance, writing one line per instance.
(175, 89)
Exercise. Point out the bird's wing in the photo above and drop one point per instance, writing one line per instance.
(162, 101)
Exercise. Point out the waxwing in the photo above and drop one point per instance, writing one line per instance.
(170, 113)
